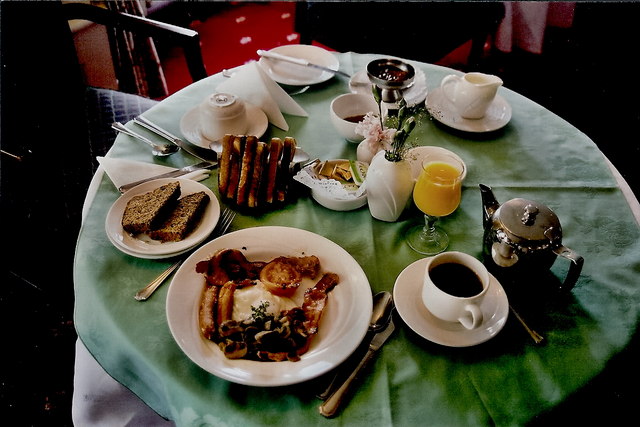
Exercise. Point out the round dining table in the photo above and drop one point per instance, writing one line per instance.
(505, 380)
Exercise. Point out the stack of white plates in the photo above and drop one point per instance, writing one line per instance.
(141, 246)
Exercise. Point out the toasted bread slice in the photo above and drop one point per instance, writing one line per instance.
(183, 218)
(145, 211)
(246, 170)
(284, 176)
(275, 152)
(224, 165)
(257, 180)
(235, 161)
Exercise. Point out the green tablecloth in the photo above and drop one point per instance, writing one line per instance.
(505, 381)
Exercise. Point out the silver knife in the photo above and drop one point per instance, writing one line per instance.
(299, 61)
(332, 404)
(183, 171)
(199, 152)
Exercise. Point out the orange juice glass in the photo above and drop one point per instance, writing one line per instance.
(437, 193)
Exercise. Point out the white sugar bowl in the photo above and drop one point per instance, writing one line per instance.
(220, 114)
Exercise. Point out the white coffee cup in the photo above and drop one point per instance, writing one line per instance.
(454, 286)
(471, 94)
(220, 114)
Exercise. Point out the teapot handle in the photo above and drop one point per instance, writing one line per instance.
(574, 269)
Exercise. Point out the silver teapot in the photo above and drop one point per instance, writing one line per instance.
(522, 237)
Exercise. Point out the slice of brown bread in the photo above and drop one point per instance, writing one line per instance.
(145, 211)
(182, 219)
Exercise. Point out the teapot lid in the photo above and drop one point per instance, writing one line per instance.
(526, 221)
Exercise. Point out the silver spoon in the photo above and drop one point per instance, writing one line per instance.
(382, 304)
(158, 150)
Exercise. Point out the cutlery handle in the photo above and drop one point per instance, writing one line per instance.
(146, 292)
(281, 57)
(537, 338)
(155, 129)
(330, 406)
(157, 149)
(121, 128)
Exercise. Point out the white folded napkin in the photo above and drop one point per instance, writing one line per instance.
(124, 171)
(251, 84)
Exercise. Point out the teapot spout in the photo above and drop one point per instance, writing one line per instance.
(489, 203)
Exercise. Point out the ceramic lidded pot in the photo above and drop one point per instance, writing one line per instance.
(220, 114)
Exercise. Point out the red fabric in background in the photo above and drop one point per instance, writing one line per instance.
(232, 37)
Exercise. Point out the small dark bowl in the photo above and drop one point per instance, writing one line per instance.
(389, 73)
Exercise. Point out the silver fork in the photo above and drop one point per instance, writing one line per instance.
(226, 218)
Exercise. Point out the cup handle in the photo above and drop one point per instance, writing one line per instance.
(574, 268)
(448, 84)
(473, 317)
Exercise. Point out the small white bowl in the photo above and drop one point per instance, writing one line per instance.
(324, 198)
(350, 105)
(338, 204)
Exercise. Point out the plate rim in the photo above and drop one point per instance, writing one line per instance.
(435, 99)
(113, 224)
(240, 371)
(464, 338)
(326, 75)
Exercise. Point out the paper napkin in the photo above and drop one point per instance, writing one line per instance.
(251, 84)
(124, 171)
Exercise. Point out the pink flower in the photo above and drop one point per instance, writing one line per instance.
(374, 135)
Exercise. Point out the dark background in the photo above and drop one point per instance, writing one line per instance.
(587, 75)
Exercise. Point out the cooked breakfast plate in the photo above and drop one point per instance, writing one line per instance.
(142, 246)
(342, 326)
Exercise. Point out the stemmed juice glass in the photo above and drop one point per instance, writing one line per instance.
(437, 193)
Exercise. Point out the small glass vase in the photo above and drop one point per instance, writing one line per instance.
(389, 187)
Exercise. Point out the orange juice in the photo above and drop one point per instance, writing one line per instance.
(437, 191)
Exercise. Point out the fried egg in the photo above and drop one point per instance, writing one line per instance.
(254, 296)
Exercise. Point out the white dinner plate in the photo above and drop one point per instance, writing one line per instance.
(415, 94)
(342, 327)
(407, 295)
(416, 155)
(497, 116)
(190, 125)
(300, 75)
(141, 246)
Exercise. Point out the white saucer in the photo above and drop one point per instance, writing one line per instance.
(407, 295)
(300, 75)
(190, 125)
(497, 116)
(416, 154)
(413, 95)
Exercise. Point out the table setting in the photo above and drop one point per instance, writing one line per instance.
(438, 170)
